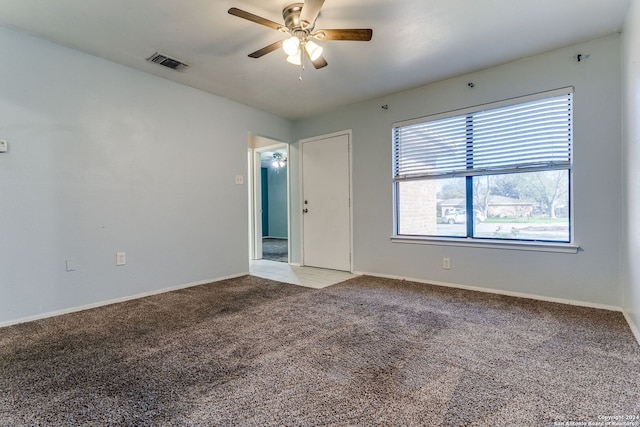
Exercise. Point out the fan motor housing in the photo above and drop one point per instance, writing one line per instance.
(291, 16)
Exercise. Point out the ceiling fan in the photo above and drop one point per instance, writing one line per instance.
(299, 23)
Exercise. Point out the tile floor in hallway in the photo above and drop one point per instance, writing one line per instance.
(309, 277)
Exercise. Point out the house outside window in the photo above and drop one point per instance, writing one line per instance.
(500, 171)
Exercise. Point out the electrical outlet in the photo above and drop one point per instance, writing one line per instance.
(446, 263)
(121, 258)
(239, 179)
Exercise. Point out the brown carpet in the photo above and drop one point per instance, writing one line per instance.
(369, 351)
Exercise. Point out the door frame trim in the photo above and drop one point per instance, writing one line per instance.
(349, 134)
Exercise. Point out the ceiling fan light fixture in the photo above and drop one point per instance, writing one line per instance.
(313, 50)
(290, 45)
(300, 23)
(295, 59)
(279, 160)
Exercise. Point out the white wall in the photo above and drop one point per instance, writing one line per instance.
(631, 178)
(103, 158)
(590, 276)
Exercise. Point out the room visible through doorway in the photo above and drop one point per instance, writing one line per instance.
(269, 200)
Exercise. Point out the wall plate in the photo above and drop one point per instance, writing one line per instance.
(4, 145)
(121, 258)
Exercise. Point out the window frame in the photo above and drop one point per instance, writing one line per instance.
(483, 242)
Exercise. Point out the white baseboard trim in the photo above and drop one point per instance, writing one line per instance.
(497, 291)
(116, 300)
(634, 329)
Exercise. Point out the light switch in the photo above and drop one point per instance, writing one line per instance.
(4, 146)
(121, 258)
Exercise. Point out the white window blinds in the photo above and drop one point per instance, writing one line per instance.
(525, 134)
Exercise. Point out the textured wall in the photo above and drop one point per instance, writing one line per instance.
(103, 158)
(591, 275)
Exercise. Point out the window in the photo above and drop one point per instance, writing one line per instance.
(499, 171)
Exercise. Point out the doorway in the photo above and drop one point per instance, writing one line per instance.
(326, 199)
(269, 199)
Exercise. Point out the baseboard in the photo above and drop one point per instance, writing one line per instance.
(634, 329)
(116, 300)
(497, 291)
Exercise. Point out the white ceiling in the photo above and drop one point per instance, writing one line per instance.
(415, 42)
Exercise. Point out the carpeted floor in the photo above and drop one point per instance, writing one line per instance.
(369, 351)
(275, 249)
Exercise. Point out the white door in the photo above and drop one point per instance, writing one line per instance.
(326, 218)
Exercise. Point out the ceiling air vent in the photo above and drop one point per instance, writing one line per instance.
(167, 61)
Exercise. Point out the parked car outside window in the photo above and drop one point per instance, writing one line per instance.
(459, 216)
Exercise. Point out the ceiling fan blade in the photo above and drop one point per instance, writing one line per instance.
(267, 49)
(309, 12)
(255, 18)
(319, 63)
(362, 35)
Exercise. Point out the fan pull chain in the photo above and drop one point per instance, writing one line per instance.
(301, 64)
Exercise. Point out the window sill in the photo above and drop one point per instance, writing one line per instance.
(568, 248)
